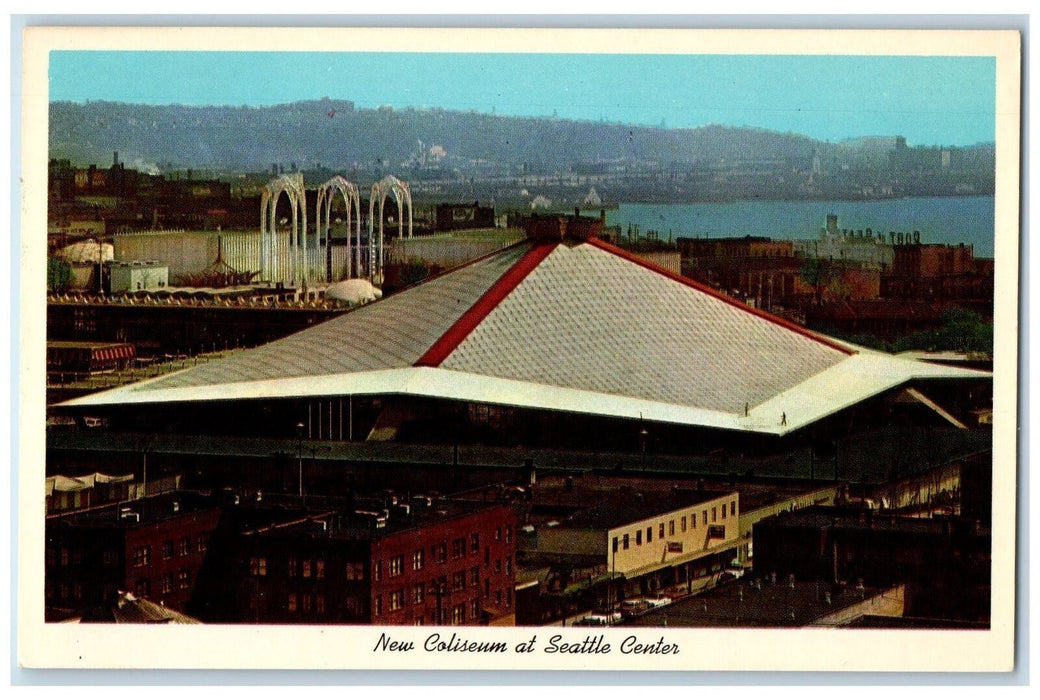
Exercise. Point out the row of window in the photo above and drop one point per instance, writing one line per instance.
(355, 571)
(184, 546)
(143, 586)
(728, 510)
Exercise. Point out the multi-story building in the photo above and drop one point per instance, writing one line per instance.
(153, 547)
(414, 562)
(944, 561)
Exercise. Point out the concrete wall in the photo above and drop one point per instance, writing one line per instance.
(699, 518)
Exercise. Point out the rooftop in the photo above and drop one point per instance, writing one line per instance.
(741, 604)
(574, 326)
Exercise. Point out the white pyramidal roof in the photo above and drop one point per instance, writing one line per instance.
(584, 327)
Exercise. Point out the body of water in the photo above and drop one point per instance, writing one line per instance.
(947, 220)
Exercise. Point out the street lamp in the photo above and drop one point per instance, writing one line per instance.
(299, 454)
(643, 433)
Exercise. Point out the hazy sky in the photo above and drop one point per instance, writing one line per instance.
(929, 100)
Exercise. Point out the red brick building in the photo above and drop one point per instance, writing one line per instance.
(153, 547)
(419, 562)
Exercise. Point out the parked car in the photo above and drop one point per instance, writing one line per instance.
(602, 619)
(658, 601)
(730, 575)
(633, 607)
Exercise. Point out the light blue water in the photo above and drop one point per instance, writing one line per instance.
(948, 220)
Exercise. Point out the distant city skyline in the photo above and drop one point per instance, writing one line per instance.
(929, 100)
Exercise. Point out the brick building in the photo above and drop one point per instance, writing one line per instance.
(153, 547)
(415, 562)
(944, 561)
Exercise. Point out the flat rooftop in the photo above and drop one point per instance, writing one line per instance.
(740, 604)
(560, 494)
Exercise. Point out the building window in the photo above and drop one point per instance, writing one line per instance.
(419, 621)
(418, 560)
(474, 609)
(713, 514)
(614, 545)
(397, 599)
(202, 542)
(379, 605)
(509, 565)
(142, 555)
(167, 549)
(723, 511)
(639, 537)
(682, 523)
(142, 588)
(458, 614)
(293, 567)
(487, 587)
(660, 531)
(377, 571)
(733, 507)
(498, 597)
(509, 596)
(474, 543)
(442, 552)
(649, 535)
(306, 568)
(292, 602)
(166, 584)
(509, 534)
(319, 604)
(110, 558)
(418, 593)
(498, 566)
(704, 517)
(355, 571)
(306, 602)
(498, 532)
(671, 528)
(183, 579)
(396, 565)
(458, 548)
(474, 576)
(624, 541)
(319, 568)
(185, 547)
(458, 580)
(65, 557)
(258, 566)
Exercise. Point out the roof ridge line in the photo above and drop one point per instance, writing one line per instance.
(474, 315)
(764, 315)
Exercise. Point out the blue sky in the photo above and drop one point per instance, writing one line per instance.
(929, 100)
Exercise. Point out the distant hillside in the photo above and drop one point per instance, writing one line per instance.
(334, 134)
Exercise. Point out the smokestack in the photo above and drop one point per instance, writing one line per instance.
(115, 157)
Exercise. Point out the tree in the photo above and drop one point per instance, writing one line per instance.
(59, 275)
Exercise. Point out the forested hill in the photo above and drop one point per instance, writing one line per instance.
(332, 133)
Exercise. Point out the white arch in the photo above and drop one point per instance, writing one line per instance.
(326, 194)
(388, 185)
(270, 264)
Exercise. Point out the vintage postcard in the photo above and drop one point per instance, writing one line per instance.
(518, 349)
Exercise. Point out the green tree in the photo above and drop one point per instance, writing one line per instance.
(59, 275)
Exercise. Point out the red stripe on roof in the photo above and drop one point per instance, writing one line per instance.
(784, 323)
(473, 316)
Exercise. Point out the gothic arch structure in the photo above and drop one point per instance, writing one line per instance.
(380, 191)
(272, 267)
(352, 200)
